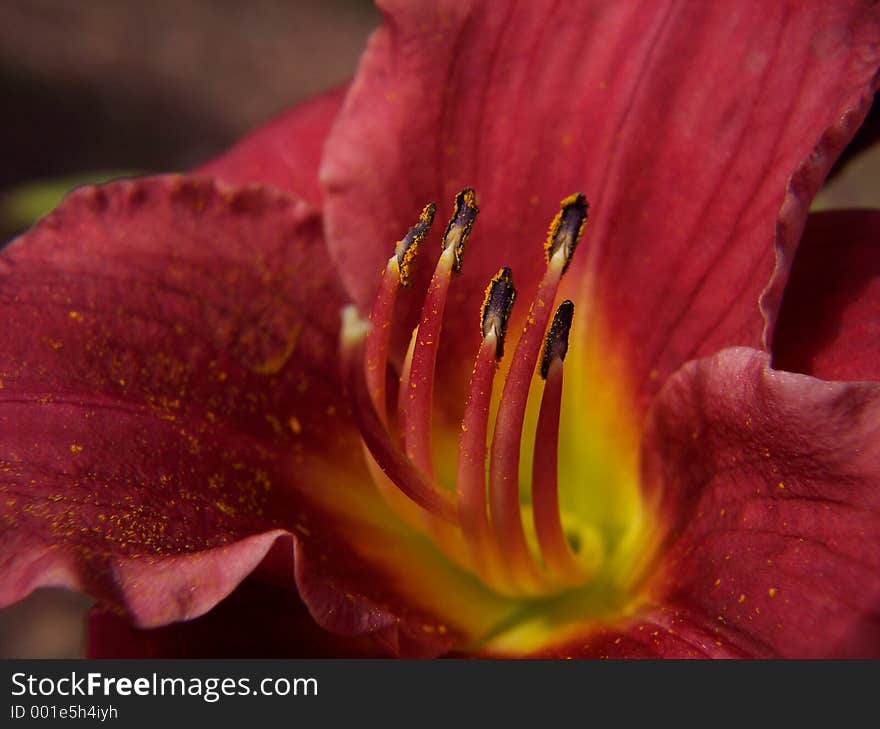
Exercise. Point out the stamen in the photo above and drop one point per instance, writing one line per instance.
(556, 341)
(373, 431)
(471, 480)
(500, 296)
(408, 246)
(567, 227)
(403, 386)
(418, 403)
(484, 536)
(398, 272)
(504, 463)
(555, 548)
(460, 224)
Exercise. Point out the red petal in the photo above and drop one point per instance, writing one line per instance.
(170, 417)
(255, 621)
(681, 122)
(285, 152)
(147, 410)
(770, 483)
(829, 323)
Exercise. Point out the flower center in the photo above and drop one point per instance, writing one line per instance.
(517, 546)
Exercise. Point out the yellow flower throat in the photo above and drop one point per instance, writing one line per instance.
(542, 502)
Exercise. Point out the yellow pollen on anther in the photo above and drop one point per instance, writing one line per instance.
(567, 227)
(459, 228)
(498, 302)
(408, 246)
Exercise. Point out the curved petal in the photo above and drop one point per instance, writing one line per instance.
(146, 412)
(285, 152)
(770, 483)
(829, 325)
(680, 121)
(256, 621)
(171, 420)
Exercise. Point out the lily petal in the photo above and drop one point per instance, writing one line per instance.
(145, 411)
(829, 323)
(171, 421)
(681, 122)
(285, 152)
(769, 480)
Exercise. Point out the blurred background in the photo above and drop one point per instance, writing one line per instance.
(93, 89)
(96, 87)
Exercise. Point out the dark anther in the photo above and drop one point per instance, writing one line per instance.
(460, 224)
(500, 295)
(567, 227)
(556, 342)
(408, 246)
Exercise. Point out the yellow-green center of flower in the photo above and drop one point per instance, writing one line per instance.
(542, 502)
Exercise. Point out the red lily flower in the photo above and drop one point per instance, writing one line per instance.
(178, 413)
